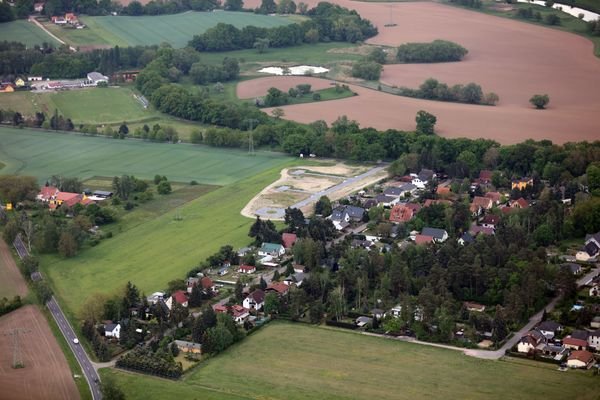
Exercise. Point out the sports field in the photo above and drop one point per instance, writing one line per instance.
(24, 32)
(175, 29)
(297, 361)
(42, 154)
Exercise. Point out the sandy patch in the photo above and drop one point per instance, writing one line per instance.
(300, 184)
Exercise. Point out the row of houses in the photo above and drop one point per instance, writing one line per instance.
(56, 198)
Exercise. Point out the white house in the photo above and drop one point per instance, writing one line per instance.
(112, 330)
(97, 77)
(531, 341)
(593, 339)
(580, 359)
(155, 297)
(295, 279)
(271, 249)
(246, 269)
(255, 300)
(438, 235)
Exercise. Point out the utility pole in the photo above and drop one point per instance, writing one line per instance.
(251, 123)
(14, 333)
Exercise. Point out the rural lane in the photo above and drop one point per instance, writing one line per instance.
(91, 376)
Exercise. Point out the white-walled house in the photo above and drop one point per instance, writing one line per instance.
(580, 359)
(255, 300)
(112, 330)
(271, 249)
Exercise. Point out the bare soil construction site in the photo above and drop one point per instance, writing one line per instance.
(302, 187)
(513, 59)
(46, 374)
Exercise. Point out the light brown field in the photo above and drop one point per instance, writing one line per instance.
(11, 281)
(256, 87)
(511, 58)
(46, 374)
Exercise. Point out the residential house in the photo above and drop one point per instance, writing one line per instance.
(485, 176)
(277, 287)
(400, 191)
(271, 249)
(386, 201)
(377, 313)
(112, 330)
(57, 20)
(580, 334)
(402, 213)
(179, 297)
(591, 248)
(573, 268)
(430, 202)
(438, 235)
(595, 323)
(521, 183)
(96, 77)
(549, 328)
(6, 87)
(342, 216)
(65, 198)
(520, 203)
(443, 191)
(575, 344)
(476, 230)
(423, 178)
(363, 321)
(208, 285)
(47, 193)
(188, 347)
(423, 239)
(246, 269)
(490, 221)
(298, 268)
(531, 341)
(465, 239)
(480, 204)
(554, 351)
(19, 82)
(239, 314)
(295, 279)
(593, 339)
(288, 240)
(220, 308)
(496, 197)
(474, 307)
(580, 359)
(191, 282)
(38, 7)
(71, 18)
(34, 78)
(255, 300)
(244, 251)
(155, 297)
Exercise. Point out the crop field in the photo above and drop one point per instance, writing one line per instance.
(175, 29)
(309, 362)
(42, 154)
(25, 32)
(11, 281)
(46, 374)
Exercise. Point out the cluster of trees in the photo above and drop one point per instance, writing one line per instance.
(38, 120)
(540, 101)
(135, 8)
(328, 23)
(229, 70)
(366, 69)
(220, 336)
(468, 3)
(432, 89)
(7, 306)
(144, 359)
(529, 13)
(436, 51)
(594, 27)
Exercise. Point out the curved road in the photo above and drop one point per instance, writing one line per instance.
(91, 376)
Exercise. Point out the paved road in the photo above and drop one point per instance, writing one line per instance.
(87, 367)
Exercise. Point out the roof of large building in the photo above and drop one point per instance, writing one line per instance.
(434, 232)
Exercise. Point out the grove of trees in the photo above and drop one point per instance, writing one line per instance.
(436, 51)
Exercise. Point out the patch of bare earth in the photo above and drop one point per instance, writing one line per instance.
(46, 374)
(511, 58)
(299, 183)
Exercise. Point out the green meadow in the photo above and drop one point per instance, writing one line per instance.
(25, 32)
(299, 361)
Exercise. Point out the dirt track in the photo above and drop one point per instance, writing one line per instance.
(11, 280)
(46, 374)
(511, 58)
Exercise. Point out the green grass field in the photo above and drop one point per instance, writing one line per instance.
(296, 361)
(175, 29)
(25, 32)
(42, 154)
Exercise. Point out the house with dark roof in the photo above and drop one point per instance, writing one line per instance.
(438, 235)
(112, 330)
(465, 239)
(386, 201)
(573, 268)
(490, 221)
(342, 216)
(295, 279)
(423, 178)
(593, 339)
(549, 328)
(531, 341)
(591, 248)
(255, 300)
(476, 230)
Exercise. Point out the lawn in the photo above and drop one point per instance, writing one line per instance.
(296, 361)
(42, 154)
(24, 32)
(175, 29)
(326, 94)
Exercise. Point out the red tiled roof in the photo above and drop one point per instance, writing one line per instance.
(483, 202)
(582, 355)
(491, 219)
(443, 190)
(401, 213)
(575, 342)
(485, 175)
(495, 196)
(430, 202)
(246, 268)
(206, 282)
(288, 240)
(423, 239)
(48, 191)
(179, 296)
(279, 287)
(519, 203)
(69, 199)
(220, 308)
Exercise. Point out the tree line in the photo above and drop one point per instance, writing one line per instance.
(432, 89)
(436, 51)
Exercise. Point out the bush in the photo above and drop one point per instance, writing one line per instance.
(436, 51)
(540, 101)
(316, 96)
(368, 70)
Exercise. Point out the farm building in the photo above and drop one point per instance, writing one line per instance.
(97, 77)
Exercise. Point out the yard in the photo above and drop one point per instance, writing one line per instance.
(25, 32)
(175, 29)
(316, 363)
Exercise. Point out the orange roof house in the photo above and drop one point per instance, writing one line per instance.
(403, 212)
(423, 239)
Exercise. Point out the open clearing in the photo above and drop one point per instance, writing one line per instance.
(46, 374)
(25, 32)
(301, 184)
(43, 154)
(511, 58)
(318, 363)
(175, 29)
(11, 282)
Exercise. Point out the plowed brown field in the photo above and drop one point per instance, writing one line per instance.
(46, 374)
(511, 58)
